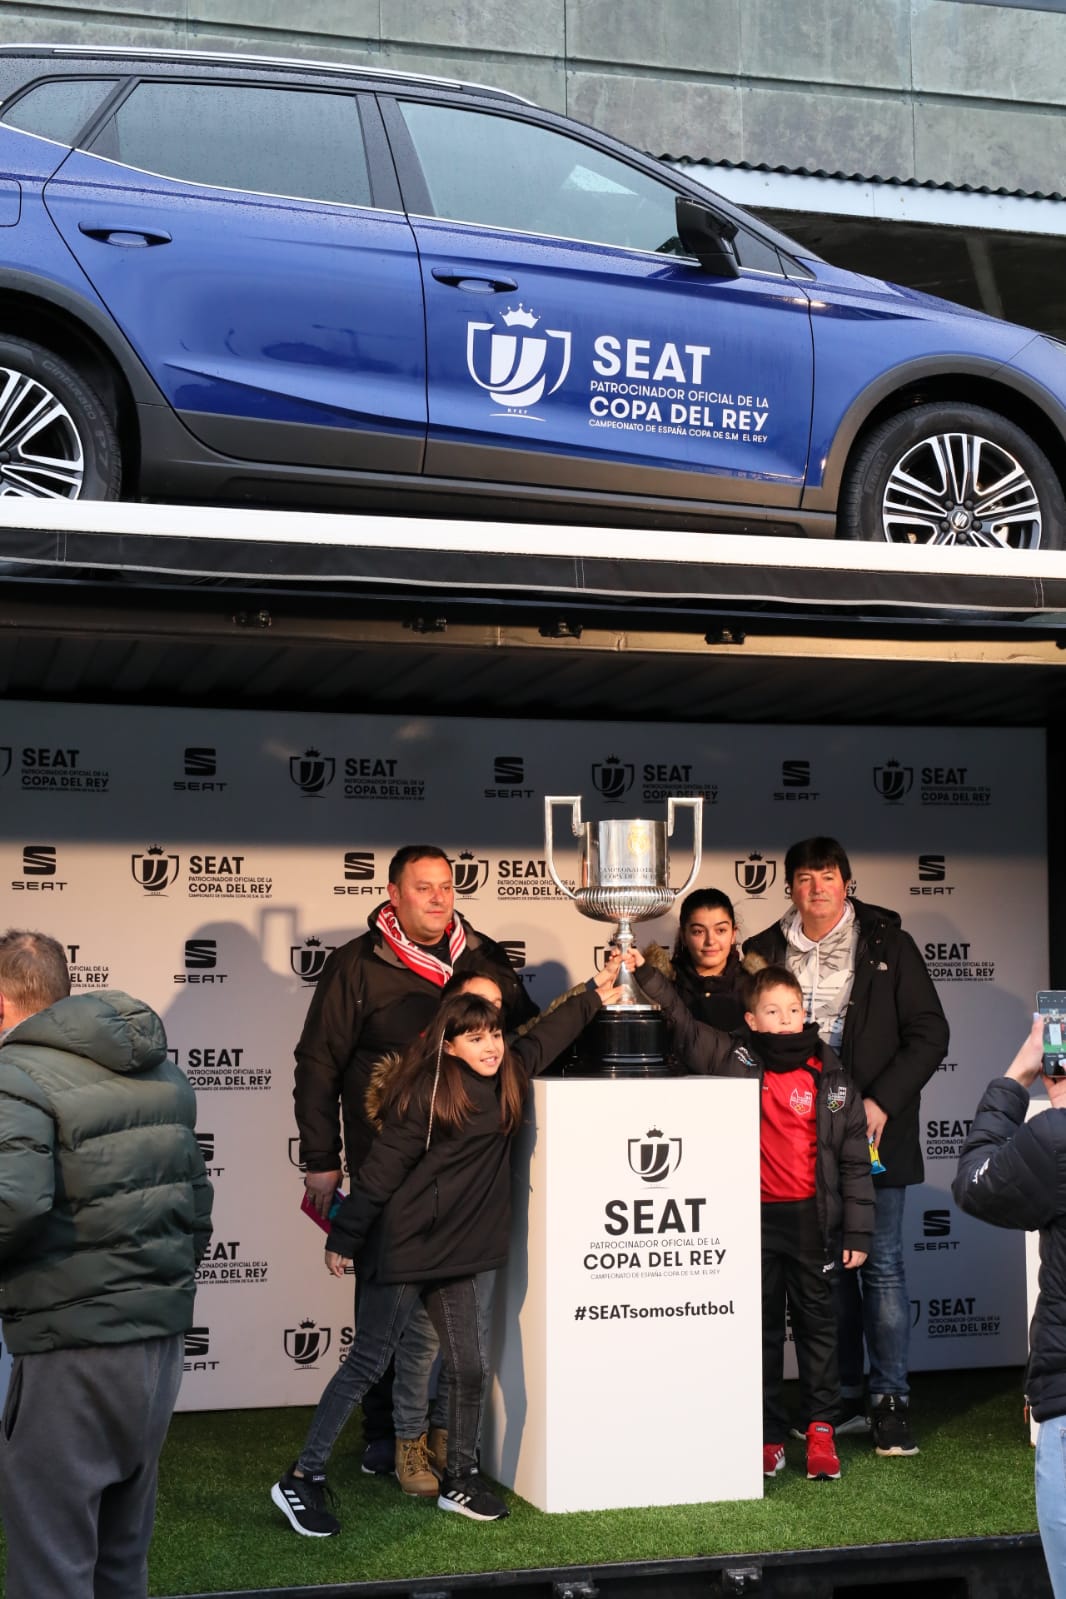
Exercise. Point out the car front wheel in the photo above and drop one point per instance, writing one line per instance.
(57, 441)
(953, 474)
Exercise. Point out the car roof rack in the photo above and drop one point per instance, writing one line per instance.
(231, 57)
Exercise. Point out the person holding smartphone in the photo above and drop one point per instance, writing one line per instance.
(1012, 1173)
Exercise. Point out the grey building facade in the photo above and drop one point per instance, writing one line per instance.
(932, 91)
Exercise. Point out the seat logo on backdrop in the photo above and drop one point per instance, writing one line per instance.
(312, 772)
(469, 873)
(517, 367)
(153, 870)
(308, 959)
(306, 1343)
(755, 875)
(892, 781)
(659, 780)
(365, 776)
(612, 777)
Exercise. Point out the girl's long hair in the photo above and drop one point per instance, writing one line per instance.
(426, 1065)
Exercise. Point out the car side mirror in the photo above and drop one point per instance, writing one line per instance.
(708, 237)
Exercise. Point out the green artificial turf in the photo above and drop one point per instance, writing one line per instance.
(216, 1528)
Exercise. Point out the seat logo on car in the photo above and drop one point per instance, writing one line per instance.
(517, 367)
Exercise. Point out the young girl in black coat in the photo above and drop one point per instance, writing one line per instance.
(429, 1211)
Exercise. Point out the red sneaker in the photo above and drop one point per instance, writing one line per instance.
(773, 1459)
(822, 1461)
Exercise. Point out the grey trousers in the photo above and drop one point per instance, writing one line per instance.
(79, 1448)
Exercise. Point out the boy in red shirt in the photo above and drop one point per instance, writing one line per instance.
(816, 1187)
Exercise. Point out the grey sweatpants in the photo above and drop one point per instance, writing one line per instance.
(79, 1447)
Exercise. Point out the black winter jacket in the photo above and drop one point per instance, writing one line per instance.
(714, 1000)
(366, 1004)
(844, 1191)
(446, 1211)
(895, 1031)
(1012, 1173)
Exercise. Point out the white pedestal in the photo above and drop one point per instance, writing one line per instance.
(628, 1348)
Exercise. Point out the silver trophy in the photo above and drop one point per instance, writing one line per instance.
(625, 874)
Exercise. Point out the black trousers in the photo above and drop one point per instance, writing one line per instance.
(377, 1401)
(794, 1273)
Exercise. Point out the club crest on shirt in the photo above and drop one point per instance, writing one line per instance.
(801, 1100)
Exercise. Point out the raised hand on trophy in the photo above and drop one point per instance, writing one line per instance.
(607, 980)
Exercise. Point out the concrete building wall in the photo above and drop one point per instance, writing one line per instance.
(943, 90)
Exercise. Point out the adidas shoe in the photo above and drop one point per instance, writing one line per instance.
(469, 1496)
(823, 1464)
(303, 1501)
(891, 1425)
(773, 1459)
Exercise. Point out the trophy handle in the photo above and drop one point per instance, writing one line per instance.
(550, 800)
(695, 805)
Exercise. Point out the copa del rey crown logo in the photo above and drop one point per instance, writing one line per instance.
(653, 1157)
(517, 367)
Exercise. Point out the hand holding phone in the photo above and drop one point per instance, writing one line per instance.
(1051, 1004)
(309, 1208)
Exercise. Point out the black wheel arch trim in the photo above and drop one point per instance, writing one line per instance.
(827, 494)
(140, 383)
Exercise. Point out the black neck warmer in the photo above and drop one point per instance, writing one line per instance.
(789, 1052)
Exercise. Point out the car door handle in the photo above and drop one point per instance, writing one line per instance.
(127, 238)
(473, 285)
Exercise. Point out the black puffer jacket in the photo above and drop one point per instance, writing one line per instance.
(895, 1031)
(1012, 1173)
(367, 1003)
(844, 1190)
(446, 1211)
(714, 1000)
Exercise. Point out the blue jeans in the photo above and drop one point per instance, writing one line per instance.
(416, 1354)
(1051, 1499)
(384, 1312)
(872, 1302)
(416, 1403)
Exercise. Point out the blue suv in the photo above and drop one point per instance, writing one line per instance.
(262, 281)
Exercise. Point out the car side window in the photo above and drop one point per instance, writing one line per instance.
(300, 143)
(58, 109)
(502, 172)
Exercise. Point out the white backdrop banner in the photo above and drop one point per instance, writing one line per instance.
(208, 861)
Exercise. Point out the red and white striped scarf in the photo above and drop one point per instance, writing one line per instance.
(413, 955)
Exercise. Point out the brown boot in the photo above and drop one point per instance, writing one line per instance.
(437, 1450)
(412, 1468)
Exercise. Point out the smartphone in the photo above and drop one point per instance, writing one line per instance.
(308, 1208)
(1051, 1003)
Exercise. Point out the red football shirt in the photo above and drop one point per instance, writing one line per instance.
(788, 1134)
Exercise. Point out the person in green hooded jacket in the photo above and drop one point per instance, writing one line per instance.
(105, 1213)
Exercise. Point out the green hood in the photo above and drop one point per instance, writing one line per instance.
(117, 1032)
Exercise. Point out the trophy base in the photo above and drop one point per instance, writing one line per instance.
(626, 1042)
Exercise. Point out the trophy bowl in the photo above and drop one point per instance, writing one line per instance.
(625, 878)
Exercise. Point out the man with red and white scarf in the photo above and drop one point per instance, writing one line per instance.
(377, 993)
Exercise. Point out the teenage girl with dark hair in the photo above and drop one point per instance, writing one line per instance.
(705, 967)
(429, 1211)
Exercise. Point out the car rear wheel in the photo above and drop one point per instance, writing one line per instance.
(953, 474)
(57, 440)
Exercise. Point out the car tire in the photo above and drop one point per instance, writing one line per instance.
(57, 440)
(952, 474)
